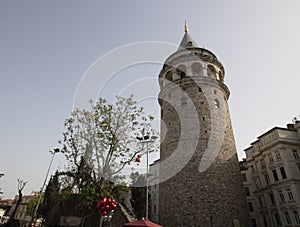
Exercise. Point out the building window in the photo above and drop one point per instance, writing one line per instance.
(220, 76)
(256, 183)
(272, 198)
(161, 114)
(282, 171)
(180, 70)
(215, 91)
(196, 73)
(287, 218)
(244, 177)
(278, 157)
(253, 222)
(217, 104)
(211, 71)
(252, 170)
(182, 75)
(262, 164)
(277, 219)
(296, 155)
(290, 194)
(200, 90)
(169, 76)
(197, 69)
(260, 200)
(267, 179)
(265, 220)
(275, 175)
(281, 195)
(247, 191)
(183, 101)
(271, 160)
(250, 207)
(296, 215)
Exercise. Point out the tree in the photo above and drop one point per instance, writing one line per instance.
(50, 205)
(31, 205)
(102, 141)
(98, 144)
(21, 185)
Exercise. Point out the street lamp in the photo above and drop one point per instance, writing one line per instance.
(146, 140)
(1, 175)
(56, 150)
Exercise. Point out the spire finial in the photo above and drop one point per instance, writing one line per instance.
(185, 27)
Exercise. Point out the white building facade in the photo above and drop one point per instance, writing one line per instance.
(271, 177)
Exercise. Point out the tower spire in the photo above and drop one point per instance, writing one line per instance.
(186, 29)
(187, 41)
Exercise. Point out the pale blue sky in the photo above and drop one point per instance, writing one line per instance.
(47, 46)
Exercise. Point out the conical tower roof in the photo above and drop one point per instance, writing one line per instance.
(187, 40)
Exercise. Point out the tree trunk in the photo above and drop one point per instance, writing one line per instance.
(12, 216)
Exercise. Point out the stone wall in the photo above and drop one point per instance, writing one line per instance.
(206, 187)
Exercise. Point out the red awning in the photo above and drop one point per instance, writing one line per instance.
(141, 223)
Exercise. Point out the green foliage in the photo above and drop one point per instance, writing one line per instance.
(31, 206)
(52, 198)
(105, 137)
(97, 143)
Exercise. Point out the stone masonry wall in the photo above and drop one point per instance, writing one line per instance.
(215, 196)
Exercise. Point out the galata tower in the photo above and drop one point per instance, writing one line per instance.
(200, 180)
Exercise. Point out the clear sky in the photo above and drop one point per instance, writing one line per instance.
(47, 46)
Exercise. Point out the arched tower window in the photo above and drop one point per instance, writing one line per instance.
(183, 101)
(197, 69)
(181, 71)
(217, 104)
(169, 76)
(221, 78)
(211, 71)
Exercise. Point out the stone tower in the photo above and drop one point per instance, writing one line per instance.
(200, 180)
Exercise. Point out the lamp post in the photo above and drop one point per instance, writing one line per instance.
(56, 150)
(1, 175)
(146, 140)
